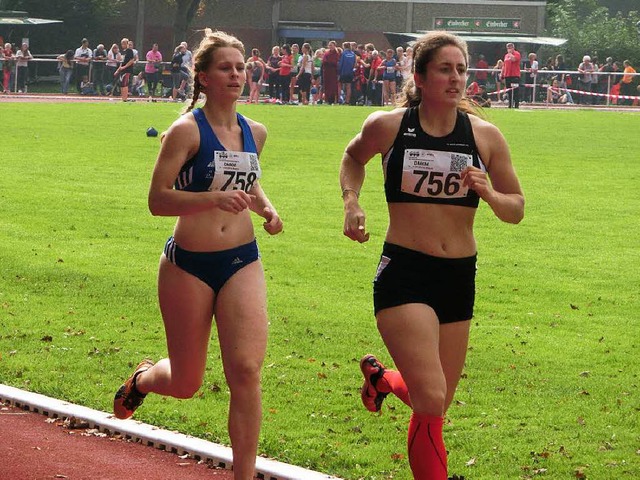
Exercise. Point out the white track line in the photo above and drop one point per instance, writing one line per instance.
(152, 436)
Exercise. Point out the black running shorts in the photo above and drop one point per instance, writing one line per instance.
(407, 276)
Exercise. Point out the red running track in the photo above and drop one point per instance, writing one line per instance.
(35, 447)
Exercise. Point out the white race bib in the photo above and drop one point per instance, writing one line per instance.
(432, 173)
(235, 170)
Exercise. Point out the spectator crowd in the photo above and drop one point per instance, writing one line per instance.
(350, 73)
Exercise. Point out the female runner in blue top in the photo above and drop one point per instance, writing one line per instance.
(207, 174)
(436, 157)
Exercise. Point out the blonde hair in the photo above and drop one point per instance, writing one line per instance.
(203, 56)
(424, 50)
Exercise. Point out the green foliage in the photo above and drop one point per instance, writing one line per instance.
(592, 30)
(550, 388)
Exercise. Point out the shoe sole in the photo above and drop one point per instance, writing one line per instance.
(364, 391)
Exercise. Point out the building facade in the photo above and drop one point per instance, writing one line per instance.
(263, 23)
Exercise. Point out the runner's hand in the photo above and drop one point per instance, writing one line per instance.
(354, 220)
(477, 180)
(233, 201)
(273, 223)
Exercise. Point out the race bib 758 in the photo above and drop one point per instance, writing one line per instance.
(235, 171)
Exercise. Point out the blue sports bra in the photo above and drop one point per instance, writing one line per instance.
(214, 167)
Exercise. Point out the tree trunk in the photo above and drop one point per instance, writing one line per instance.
(185, 11)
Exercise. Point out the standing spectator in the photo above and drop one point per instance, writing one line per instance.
(561, 67)
(595, 79)
(497, 78)
(22, 62)
(187, 66)
(400, 60)
(375, 90)
(295, 69)
(627, 82)
(258, 73)
(99, 64)
(316, 89)
(82, 59)
(113, 60)
(584, 80)
(136, 55)
(125, 70)
(424, 287)
(305, 74)
(607, 81)
(7, 67)
(286, 62)
(273, 70)
(330, 61)
(531, 67)
(389, 65)
(65, 67)
(346, 65)
(481, 77)
(178, 77)
(211, 267)
(511, 75)
(153, 68)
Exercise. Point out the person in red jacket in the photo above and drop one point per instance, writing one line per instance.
(511, 75)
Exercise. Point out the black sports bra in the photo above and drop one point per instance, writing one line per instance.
(420, 168)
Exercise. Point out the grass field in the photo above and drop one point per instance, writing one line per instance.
(550, 389)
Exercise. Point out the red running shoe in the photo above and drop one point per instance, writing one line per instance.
(373, 371)
(128, 398)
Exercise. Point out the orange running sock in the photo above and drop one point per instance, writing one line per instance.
(427, 453)
(394, 383)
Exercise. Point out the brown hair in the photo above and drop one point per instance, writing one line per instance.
(424, 49)
(203, 56)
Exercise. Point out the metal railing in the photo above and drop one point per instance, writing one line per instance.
(604, 87)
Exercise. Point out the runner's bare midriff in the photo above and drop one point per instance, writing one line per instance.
(213, 230)
(438, 230)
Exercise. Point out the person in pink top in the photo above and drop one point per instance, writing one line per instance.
(511, 75)
(152, 69)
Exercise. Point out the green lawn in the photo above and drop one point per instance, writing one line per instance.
(551, 384)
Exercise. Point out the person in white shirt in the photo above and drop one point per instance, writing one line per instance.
(22, 61)
(83, 58)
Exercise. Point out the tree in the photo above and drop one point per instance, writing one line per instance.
(80, 17)
(591, 30)
(186, 11)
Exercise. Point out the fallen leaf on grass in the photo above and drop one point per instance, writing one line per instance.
(397, 456)
(471, 462)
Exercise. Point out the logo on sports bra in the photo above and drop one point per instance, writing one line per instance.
(410, 132)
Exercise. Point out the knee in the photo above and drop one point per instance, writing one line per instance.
(429, 400)
(186, 388)
(244, 375)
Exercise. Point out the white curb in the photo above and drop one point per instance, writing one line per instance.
(152, 436)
